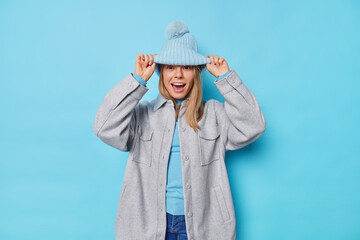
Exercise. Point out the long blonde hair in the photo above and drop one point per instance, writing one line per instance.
(195, 104)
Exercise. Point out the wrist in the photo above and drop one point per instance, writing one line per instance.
(221, 74)
(140, 79)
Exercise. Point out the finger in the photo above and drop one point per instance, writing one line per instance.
(221, 61)
(146, 59)
(216, 59)
(138, 57)
(211, 59)
(151, 59)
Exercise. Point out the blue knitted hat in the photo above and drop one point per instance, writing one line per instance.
(180, 48)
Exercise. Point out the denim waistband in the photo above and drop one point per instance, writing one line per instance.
(175, 223)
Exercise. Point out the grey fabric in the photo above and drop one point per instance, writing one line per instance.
(145, 129)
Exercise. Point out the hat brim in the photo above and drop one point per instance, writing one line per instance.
(170, 58)
(157, 68)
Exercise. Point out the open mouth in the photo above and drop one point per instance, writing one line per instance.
(178, 87)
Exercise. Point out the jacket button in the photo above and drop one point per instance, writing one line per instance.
(183, 129)
(190, 214)
(188, 186)
(186, 157)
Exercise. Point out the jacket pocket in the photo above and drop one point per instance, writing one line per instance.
(221, 203)
(209, 144)
(143, 147)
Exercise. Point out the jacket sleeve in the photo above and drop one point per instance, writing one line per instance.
(115, 120)
(240, 117)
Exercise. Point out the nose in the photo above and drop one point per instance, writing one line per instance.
(179, 72)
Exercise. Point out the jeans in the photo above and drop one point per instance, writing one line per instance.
(175, 227)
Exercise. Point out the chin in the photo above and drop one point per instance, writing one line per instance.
(178, 96)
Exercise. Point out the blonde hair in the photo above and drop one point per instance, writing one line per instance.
(195, 104)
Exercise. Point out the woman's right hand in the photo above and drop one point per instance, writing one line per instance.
(145, 66)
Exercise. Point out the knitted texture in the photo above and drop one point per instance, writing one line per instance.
(180, 48)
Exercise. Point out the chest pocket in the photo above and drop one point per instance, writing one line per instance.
(209, 144)
(143, 146)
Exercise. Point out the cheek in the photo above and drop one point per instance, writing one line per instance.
(166, 84)
(191, 83)
(167, 75)
(190, 78)
(165, 80)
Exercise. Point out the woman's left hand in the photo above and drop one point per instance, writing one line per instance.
(217, 66)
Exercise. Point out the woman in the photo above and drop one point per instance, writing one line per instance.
(175, 184)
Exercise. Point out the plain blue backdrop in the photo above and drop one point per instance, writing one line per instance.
(301, 59)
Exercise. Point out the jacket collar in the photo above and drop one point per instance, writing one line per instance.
(160, 100)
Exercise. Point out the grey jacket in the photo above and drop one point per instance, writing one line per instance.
(145, 129)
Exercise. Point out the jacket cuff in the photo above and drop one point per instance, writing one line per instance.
(139, 79)
(230, 82)
(126, 86)
(222, 76)
(139, 90)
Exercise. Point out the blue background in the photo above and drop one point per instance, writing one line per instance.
(301, 59)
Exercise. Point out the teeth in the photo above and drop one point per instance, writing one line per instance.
(178, 84)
